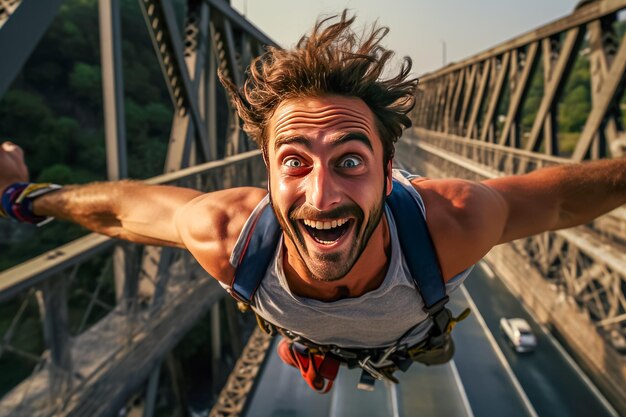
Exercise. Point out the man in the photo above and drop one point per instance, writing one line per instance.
(327, 122)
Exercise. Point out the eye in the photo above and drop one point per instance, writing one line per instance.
(293, 163)
(351, 161)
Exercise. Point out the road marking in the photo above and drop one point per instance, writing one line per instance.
(518, 387)
(485, 267)
(607, 405)
(574, 365)
(392, 391)
(457, 378)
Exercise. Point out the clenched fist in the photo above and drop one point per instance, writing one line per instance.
(12, 166)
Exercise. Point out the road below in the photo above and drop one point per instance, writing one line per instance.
(553, 384)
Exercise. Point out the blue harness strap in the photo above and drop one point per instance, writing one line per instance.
(413, 234)
(258, 254)
(417, 247)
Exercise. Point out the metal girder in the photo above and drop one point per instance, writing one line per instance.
(81, 373)
(611, 87)
(232, 400)
(54, 312)
(22, 24)
(161, 22)
(495, 97)
(517, 93)
(113, 88)
(588, 13)
(116, 348)
(581, 259)
(182, 134)
(560, 43)
(478, 99)
(233, 16)
(557, 79)
(469, 90)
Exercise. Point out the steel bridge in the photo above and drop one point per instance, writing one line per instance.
(468, 123)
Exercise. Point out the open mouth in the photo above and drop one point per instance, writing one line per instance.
(327, 232)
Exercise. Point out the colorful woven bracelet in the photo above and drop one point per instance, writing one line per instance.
(17, 202)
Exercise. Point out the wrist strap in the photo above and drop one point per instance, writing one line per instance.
(17, 202)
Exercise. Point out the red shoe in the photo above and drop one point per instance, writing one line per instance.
(318, 370)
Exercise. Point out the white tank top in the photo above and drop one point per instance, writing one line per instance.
(375, 319)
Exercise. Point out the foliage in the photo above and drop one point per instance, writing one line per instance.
(54, 111)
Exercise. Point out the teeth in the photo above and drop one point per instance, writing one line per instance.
(324, 242)
(325, 225)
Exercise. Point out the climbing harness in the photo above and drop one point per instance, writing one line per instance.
(319, 364)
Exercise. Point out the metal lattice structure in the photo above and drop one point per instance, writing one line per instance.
(159, 292)
(81, 370)
(233, 398)
(468, 124)
(467, 99)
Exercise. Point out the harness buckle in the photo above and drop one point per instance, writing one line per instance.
(373, 369)
(368, 366)
(438, 306)
(386, 354)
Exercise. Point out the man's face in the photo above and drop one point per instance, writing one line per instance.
(327, 180)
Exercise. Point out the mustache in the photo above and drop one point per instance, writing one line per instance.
(311, 213)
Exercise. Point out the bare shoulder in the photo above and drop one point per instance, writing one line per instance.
(210, 224)
(464, 219)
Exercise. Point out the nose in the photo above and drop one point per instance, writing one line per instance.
(323, 191)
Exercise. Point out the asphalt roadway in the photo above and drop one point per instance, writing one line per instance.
(486, 378)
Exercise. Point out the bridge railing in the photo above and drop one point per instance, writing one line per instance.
(490, 96)
(503, 112)
(583, 267)
(110, 312)
(75, 352)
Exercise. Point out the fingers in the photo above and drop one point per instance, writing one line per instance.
(12, 150)
(10, 147)
(12, 164)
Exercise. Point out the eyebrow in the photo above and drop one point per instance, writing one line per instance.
(338, 141)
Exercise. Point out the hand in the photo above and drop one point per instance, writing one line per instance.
(12, 165)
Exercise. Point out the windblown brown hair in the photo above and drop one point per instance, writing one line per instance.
(332, 59)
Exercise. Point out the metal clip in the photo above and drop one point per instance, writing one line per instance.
(368, 366)
(386, 354)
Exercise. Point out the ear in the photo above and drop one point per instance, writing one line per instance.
(388, 177)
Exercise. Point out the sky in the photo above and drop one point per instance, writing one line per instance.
(418, 28)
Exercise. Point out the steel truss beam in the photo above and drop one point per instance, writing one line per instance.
(579, 274)
(232, 400)
(495, 160)
(97, 370)
(556, 45)
(22, 24)
(81, 375)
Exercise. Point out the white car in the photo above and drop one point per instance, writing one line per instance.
(519, 334)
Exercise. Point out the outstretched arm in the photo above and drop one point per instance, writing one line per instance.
(128, 210)
(466, 219)
(206, 224)
(559, 197)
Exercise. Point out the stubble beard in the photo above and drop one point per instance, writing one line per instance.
(329, 267)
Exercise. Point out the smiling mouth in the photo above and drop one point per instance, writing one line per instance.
(326, 232)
